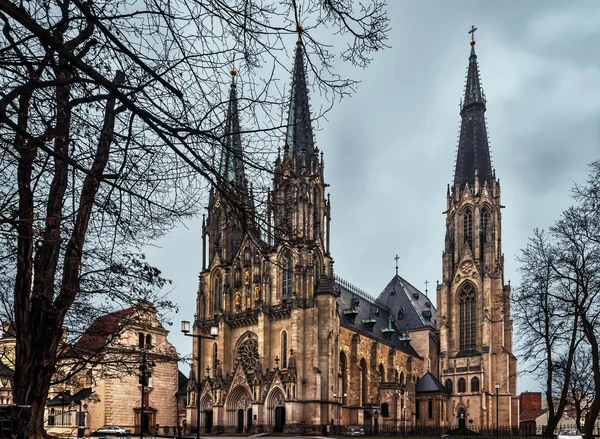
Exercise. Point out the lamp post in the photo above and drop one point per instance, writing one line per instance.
(403, 420)
(340, 397)
(143, 380)
(214, 332)
(497, 389)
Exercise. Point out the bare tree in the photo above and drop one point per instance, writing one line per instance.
(580, 385)
(111, 123)
(557, 302)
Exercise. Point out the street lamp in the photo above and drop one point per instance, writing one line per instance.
(341, 397)
(497, 389)
(143, 379)
(403, 420)
(214, 332)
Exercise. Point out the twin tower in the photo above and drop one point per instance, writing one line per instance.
(288, 348)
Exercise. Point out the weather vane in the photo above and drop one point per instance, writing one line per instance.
(472, 32)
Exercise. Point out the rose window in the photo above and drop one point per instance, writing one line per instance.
(248, 352)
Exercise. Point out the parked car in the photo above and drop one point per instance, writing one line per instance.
(113, 430)
(355, 430)
(569, 433)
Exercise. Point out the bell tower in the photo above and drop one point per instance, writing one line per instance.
(477, 365)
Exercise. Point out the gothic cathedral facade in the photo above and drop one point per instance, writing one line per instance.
(299, 348)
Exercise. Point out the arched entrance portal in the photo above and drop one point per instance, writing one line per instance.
(462, 418)
(276, 410)
(239, 409)
(206, 420)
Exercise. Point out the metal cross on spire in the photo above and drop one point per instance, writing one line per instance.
(472, 32)
(396, 259)
(426, 284)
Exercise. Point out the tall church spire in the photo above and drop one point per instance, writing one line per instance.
(473, 157)
(232, 163)
(299, 142)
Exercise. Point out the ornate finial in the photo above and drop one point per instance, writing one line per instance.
(396, 259)
(426, 284)
(276, 361)
(208, 371)
(233, 73)
(299, 29)
(472, 32)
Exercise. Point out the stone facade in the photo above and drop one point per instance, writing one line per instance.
(109, 393)
(473, 303)
(299, 348)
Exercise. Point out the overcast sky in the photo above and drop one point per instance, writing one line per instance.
(390, 148)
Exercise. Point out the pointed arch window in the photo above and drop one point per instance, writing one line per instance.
(468, 228)
(468, 316)
(284, 350)
(343, 376)
(461, 385)
(287, 275)
(474, 384)
(449, 386)
(381, 373)
(484, 222)
(364, 391)
(218, 302)
(484, 219)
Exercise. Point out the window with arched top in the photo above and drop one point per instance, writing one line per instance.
(449, 386)
(474, 384)
(218, 302)
(385, 410)
(484, 219)
(287, 275)
(284, 350)
(343, 374)
(468, 228)
(467, 316)
(215, 358)
(461, 385)
(381, 373)
(364, 391)
(402, 378)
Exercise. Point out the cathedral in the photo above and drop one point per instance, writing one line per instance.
(300, 348)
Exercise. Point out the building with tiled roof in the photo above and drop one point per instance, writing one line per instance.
(108, 389)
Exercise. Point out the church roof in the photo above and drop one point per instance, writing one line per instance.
(182, 382)
(362, 313)
(412, 309)
(429, 384)
(473, 155)
(232, 164)
(299, 140)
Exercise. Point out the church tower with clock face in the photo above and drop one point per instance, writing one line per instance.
(476, 363)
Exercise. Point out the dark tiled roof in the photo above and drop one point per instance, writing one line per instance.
(411, 308)
(429, 384)
(531, 415)
(97, 335)
(368, 309)
(65, 397)
(6, 371)
(182, 382)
